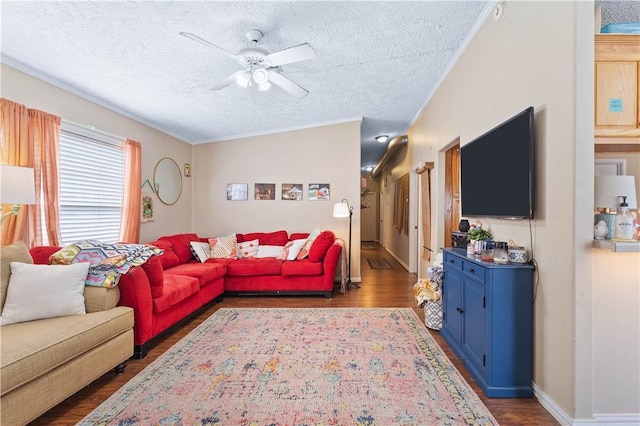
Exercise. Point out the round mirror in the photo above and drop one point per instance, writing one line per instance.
(167, 181)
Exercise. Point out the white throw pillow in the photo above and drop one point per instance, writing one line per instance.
(269, 251)
(201, 250)
(248, 249)
(292, 248)
(44, 291)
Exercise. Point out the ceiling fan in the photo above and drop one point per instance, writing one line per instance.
(261, 68)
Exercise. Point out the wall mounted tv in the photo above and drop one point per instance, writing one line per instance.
(497, 171)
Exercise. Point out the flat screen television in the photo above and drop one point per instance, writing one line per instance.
(497, 176)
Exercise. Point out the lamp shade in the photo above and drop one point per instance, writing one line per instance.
(608, 189)
(17, 185)
(340, 210)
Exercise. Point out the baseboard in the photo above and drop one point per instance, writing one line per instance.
(598, 419)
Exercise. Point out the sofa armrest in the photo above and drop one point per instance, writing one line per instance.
(98, 299)
(135, 292)
(330, 263)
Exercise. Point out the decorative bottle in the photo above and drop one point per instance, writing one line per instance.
(624, 221)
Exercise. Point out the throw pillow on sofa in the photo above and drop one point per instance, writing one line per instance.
(321, 245)
(181, 246)
(44, 291)
(200, 250)
(270, 252)
(291, 249)
(248, 249)
(304, 252)
(223, 247)
(168, 259)
(155, 274)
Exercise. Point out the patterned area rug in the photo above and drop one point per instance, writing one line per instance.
(379, 263)
(349, 366)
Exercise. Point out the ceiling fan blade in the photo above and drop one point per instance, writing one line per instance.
(288, 85)
(208, 43)
(291, 55)
(228, 81)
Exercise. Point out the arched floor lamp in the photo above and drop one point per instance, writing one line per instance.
(343, 209)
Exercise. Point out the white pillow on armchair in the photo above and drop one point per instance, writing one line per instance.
(44, 291)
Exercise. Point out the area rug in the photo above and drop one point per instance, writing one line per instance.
(320, 366)
(379, 263)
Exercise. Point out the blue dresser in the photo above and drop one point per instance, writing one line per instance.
(487, 321)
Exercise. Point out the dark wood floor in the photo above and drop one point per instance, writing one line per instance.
(379, 288)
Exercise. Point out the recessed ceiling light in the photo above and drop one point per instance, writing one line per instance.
(382, 138)
(369, 168)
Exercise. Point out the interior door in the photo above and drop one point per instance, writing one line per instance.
(452, 192)
(368, 222)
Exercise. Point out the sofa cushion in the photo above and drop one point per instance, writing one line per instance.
(176, 289)
(181, 246)
(168, 259)
(321, 245)
(44, 291)
(16, 252)
(38, 347)
(301, 267)
(248, 249)
(252, 267)
(277, 238)
(206, 273)
(298, 236)
(41, 254)
(155, 274)
(223, 247)
(292, 248)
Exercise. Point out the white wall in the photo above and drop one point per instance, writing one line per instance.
(34, 93)
(541, 55)
(328, 154)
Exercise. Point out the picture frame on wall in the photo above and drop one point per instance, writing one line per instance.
(264, 191)
(292, 191)
(237, 191)
(319, 191)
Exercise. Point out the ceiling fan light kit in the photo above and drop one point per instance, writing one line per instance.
(262, 69)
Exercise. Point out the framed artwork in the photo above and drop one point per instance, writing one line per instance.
(292, 191)
(264, 191)
(610, 166)
(146, 214)
(237, 191)
(319, 191)
(187, 170)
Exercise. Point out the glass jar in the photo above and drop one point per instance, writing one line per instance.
(501, 252)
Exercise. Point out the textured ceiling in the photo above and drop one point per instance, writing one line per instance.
(376, 61)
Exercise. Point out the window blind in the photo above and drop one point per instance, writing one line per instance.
(91, 181)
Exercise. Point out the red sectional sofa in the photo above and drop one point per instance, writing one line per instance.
(170, 287)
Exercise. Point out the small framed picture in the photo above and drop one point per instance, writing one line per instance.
(318, 191)
(237, 191)
(292, 191)
(265, 191)
(187, 170)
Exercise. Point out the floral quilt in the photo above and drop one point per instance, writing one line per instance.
(108, 261)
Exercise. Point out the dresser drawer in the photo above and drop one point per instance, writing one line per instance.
(452, 261)
(473, 270)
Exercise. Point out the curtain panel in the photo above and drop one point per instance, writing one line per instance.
(131, 197)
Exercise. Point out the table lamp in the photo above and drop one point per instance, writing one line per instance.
(17, 187)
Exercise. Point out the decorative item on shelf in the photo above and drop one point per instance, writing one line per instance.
(17, 187)
(476, 235)
(607, 190)
(624, 222)
(500, 252)
(517, 254)
(341, 210)
(600, 230)
(459, 239)
(464, 225)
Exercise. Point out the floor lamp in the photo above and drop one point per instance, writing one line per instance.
(17, 187)
(343, 209)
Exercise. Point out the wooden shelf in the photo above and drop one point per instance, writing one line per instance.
(618, 246)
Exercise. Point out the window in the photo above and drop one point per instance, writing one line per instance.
(91, 183)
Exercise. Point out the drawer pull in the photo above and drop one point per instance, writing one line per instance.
(459, 310)
(472, 271)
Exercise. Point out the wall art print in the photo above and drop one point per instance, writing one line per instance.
(292, 191)
(264, 191)
(319, 191)
(146, 213)
(237, 191)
